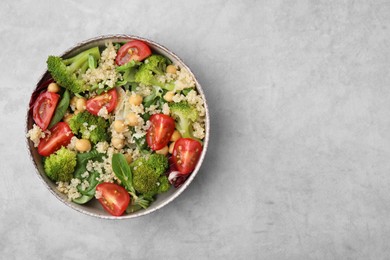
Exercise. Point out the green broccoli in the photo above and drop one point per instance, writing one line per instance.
(149, 176)
(67, 72)
(60, 165)
(147, 72)
(89, 126)
(156, 63)
(184, 114)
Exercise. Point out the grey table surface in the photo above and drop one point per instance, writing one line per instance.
(298, 164)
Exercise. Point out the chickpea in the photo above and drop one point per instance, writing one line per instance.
(119, 126)
(175, 136)
(118, 143)
(128, 158)
(81, 104)
(73, 103)
(132, 119)
(67, 118)
(171, 69)
(163, 151)
(135, 99)
(53, 87)
(171, 146)
(83, 145)
(169, 96)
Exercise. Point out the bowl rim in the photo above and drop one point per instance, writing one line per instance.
(178, 191)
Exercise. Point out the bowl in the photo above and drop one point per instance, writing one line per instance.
(93, 208)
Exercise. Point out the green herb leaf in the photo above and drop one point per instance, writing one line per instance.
(123, 172)
(61, 109)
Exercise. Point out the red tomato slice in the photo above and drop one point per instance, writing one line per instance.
(114, 198)
(133, 50)
(160, 131)
(186, 154)
(60, 135)
(108, 100)
(44, 107)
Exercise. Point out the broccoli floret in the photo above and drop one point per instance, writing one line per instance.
(158, 162)
(67, 72)
(147, 72)
(156, 63)
(164, 184)
(184, 114)
(148, 175)
(60, 165)
(89, 126)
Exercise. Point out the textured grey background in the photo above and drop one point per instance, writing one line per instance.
(298, 165)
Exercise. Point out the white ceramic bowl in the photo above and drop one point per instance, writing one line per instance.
(93, 208)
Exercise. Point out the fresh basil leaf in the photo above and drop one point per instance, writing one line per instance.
(122, 171)
(61, 109)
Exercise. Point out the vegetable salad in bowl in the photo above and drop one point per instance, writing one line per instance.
(117, 123)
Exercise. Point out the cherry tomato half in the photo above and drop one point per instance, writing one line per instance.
(44, 107)
(108, 100)
(114, 198)
(60, 135)
(186, 154)
(160, 131)
(133, 50)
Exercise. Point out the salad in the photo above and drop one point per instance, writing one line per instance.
(117, 123)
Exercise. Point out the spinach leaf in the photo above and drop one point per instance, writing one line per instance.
(83, 199)
(81, 167)
(83, 158)
(93, 182)
(61, 109)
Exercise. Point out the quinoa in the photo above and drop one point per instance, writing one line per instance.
(105, 74)
(184, 80)
(165, 109)
(70, 189)
(36, 134)
(103, 113)
(72, 145)
(101, 147)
